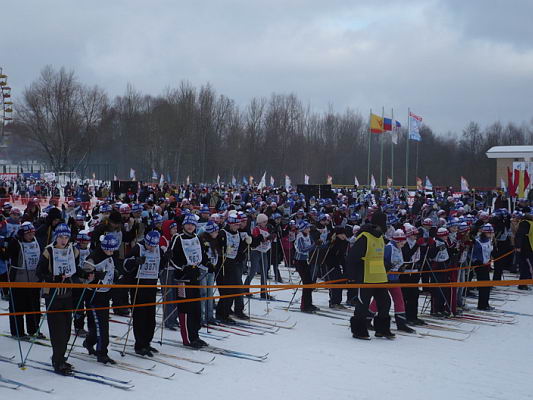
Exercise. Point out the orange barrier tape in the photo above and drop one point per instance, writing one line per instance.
(326, 285)
(452, 269)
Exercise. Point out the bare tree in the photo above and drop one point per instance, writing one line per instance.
(61, 116)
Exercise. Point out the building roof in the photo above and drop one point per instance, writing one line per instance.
(510, 152)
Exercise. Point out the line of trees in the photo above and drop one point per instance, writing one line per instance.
(196, 132)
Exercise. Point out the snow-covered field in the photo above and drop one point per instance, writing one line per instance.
(317, 359)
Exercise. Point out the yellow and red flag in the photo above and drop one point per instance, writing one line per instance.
(376, 124)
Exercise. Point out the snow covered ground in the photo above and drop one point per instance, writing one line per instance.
(318, 359)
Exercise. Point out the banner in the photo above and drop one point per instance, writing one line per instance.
(262, 183)
(50, 176)
(419, 184)
(287, 183)
(31, 175)
(429, 185)
(306, 179)
(414, 127)
(372, 182)
(464, 185)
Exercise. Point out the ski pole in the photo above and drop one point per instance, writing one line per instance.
(12, 302)
(77, 307)
(123, 353)
(38, 329)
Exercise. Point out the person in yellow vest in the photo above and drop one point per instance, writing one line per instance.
(365, 264)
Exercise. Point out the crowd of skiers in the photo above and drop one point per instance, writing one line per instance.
(201, 235)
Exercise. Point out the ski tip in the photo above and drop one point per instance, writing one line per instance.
(200, 371)
(171, 376)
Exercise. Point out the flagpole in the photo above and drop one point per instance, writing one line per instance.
(416, 165)
(392, 146)
(407, 149)
(369, 142)
(381, 151)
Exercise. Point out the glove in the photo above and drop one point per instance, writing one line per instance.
(248, 240)
(140, 260)
(99, 275)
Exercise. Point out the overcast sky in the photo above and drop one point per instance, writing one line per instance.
(450, 61)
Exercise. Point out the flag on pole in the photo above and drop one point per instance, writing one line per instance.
(168, 178)
(396, 132)
(154, 174)
(233, 180)
(376, 123)
(115, 178)
(414, 127)
(464, 185)
(132, 174)
(419, 184)
(387, 124)
(161, 180)
(356, 181)
(372, 182)
(306, 179)
(272, 181)
(244, 181)
(218, 179)
(329, 180)
(389, 182)
(287, 183)
(262, 183)
(429, 185)
(502, 185)
(523, 183)
(188, 180)
(510, 183)
(250, 180)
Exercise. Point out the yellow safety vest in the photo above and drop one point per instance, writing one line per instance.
(374, 259)
(530, 234)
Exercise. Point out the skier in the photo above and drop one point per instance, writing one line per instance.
(365, 264)
(142, 267)
(302, 247)
(57, 264)
(99, 267)
(481, 256)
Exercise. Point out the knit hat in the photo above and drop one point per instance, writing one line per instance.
(62, 230)
(398, 235)
(109, 242)
(152, 238)
(261, 218)
(487, 228)
(26, 227)
(211, 227)
(442, 232)
(189, 219)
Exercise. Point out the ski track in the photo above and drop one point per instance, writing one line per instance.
(315, 360)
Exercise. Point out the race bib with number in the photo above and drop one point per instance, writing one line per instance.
(64, 261)
(150, 269)
(31, 252)
(192, 249)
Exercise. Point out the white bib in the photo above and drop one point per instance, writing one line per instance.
(192, 249)
(232, 248)
(64, 261)
(107, 265)
(31, 253)
(396, 257)
(486, 249)
(150, 269)
(84, 253)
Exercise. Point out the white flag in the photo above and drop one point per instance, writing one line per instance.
(218, 179)
(464, 185)
(188, 181)
(272, 180)
(329, 180)
(233, 181)
(306, 179)
(132, 174)
(154, 174)
(287, 183)
(372, 182)
(429, 185)
(356, 181)
(502, 184)
(414, 127)
(115, 178)
(262, 183)
(161, 180)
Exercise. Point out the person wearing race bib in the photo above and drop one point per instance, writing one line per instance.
(481, 256)
(82, 244)
(303, 246)
(99, 267)
(440, 259)
(58, 264)
(233, 247)
(24, 252)
(142, 268)
(211, 245)
(186, 255)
